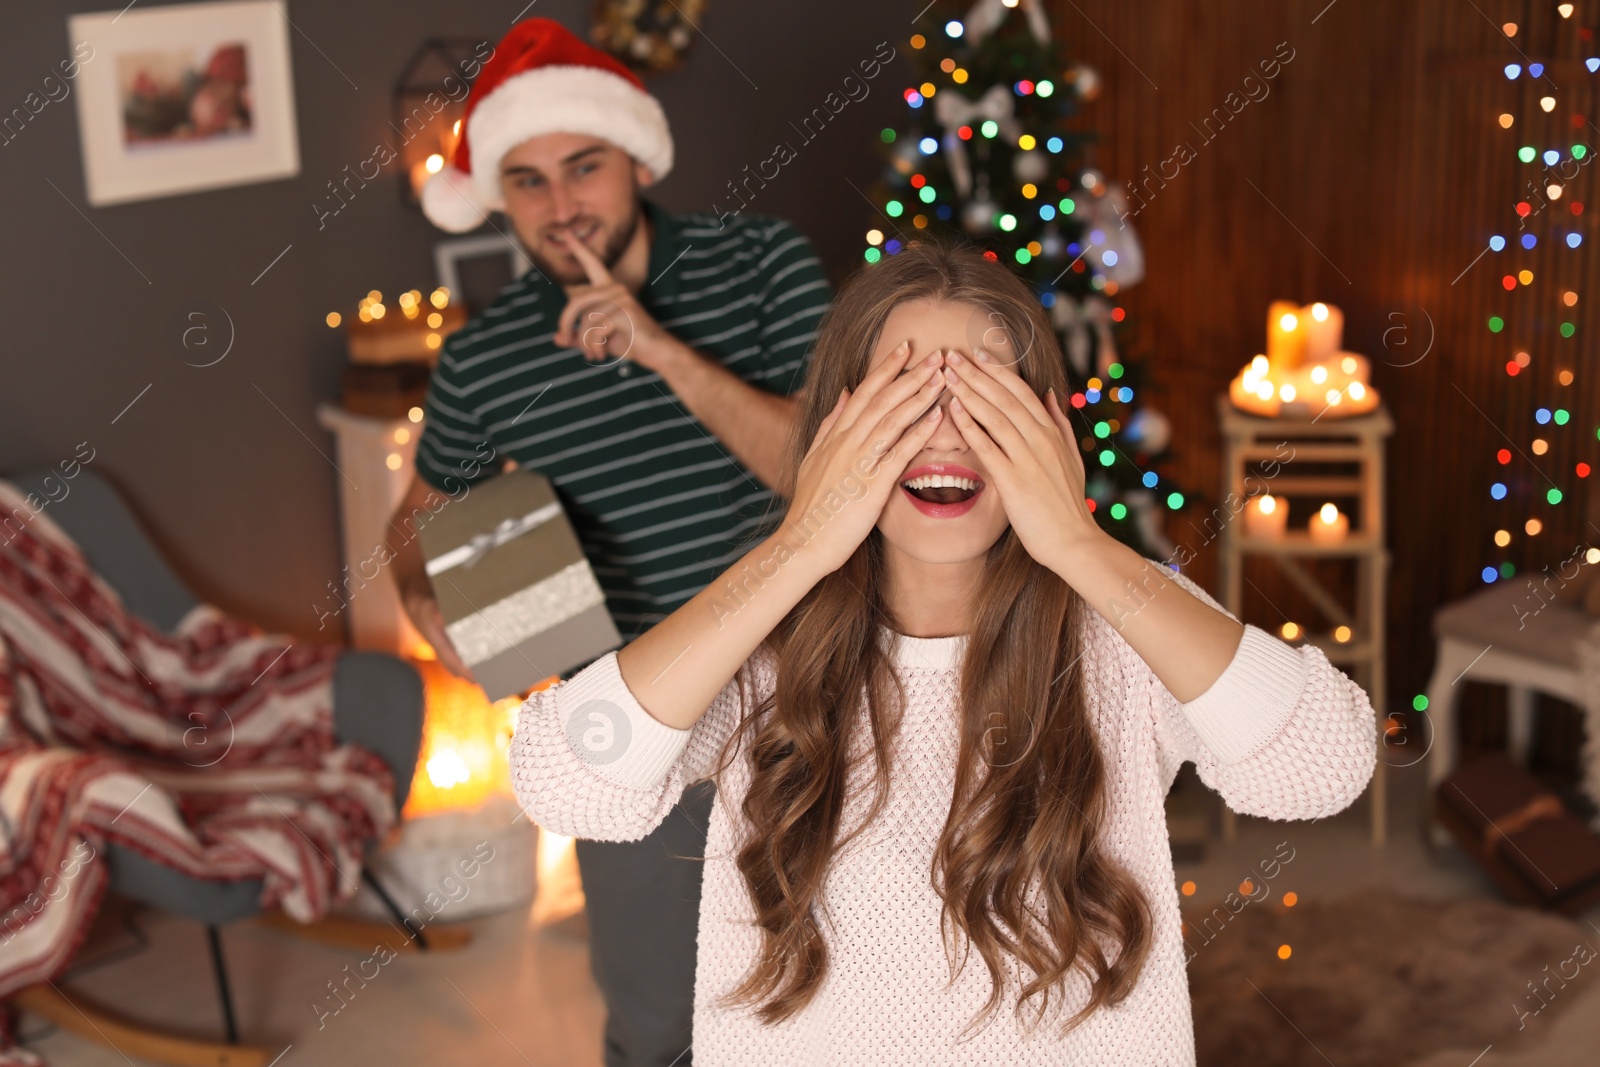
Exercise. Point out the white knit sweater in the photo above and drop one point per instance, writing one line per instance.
(1281, 734)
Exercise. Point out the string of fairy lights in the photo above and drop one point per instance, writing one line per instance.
(1561, 158)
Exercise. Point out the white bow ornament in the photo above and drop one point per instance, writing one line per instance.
(1074, 320)
(954, 111)
(987, 15)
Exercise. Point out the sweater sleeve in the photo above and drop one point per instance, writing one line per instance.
(1282, 733)
(588, 761)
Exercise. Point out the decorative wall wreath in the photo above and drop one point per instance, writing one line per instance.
(650, 36)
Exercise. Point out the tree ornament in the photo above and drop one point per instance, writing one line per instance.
(1150, 430)
(1084, 326)
(1112, 245)
(954, 111)
(1030, 166)
(1085, 79)
(977, 216)
(1052, 243)
(986, 16)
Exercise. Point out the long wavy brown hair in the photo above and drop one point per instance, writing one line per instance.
(1019, 863)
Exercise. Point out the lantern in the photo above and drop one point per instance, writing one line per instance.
(430, 96)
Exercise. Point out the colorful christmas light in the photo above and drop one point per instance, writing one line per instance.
(1543, 328)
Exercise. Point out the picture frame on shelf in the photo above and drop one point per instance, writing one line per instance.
(474, 269)
(184, 98)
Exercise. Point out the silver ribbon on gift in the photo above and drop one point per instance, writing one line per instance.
(954, 111)
(525, 614)
(468, 554)
(1073, 320)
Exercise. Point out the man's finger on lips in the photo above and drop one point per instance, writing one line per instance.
(590, 262)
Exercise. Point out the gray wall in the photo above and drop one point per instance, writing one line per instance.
(225, 465)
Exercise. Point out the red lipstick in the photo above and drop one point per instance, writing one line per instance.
(942, 511)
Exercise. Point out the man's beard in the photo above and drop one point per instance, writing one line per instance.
(614, 248)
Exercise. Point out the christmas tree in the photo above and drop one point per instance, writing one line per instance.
(988, 152)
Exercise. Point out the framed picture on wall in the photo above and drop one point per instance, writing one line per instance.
(475, 269)
(183, 98)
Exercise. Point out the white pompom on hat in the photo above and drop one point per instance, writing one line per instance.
(541, 79)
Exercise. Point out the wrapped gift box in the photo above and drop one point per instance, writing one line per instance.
(519, 599)
(1535, 850)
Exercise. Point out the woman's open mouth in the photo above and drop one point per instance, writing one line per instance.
(942, 490)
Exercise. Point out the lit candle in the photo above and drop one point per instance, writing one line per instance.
(1266, 516)
(1322, 325)
(1330, 526)
(420, 173)
(1285, 335)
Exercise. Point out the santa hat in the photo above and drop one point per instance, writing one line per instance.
(541, 79)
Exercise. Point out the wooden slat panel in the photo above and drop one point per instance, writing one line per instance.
(1370, 175)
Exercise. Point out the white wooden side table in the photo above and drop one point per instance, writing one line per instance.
(1316, 460)
(374, 457)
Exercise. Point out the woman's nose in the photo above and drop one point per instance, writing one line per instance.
(946, 438)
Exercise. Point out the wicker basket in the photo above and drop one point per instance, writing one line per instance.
(455, 865)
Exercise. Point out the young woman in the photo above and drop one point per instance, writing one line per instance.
(943, 710)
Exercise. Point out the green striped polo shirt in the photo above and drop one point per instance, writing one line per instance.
(660, 505)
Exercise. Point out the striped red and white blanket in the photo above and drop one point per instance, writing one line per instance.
(210, 750)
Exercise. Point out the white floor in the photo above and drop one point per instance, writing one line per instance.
(521, 994)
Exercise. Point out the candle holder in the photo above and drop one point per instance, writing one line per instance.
(1304, 374)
